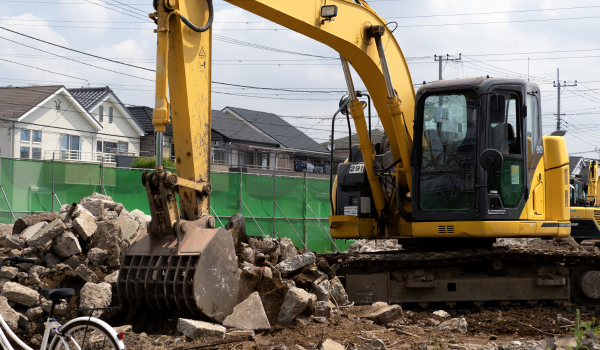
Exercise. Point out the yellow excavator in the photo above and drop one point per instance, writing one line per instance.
(464, 162)
(585, 213)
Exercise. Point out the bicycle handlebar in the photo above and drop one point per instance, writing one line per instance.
(16, 260)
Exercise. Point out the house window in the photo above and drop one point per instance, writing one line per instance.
(122, 147)
(24, 152)
(110, 147)
(101, 114)
(26, 137)
(98, 146)
(69, 146)
(36, 153)
(37, 136)
(172, 151)
(110, 114)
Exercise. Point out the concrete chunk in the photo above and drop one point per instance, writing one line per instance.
(66, 245)
(94, 295)
(97, 256)
(332, 345)
(108, 236)
(295, 301)
(266, 246)
(129, 227)
(47, 234)
(34, 313)
(86, 274)
(14, 242)
(20, 294)
(237, 227)
(456, 325)
(287, 248)
(249, 314)
(293, 264)
(33, 229)
(321, 290)
(322, 309)
(94, 206)
(51, 260)
(9, 272)
(385, 314)
(85, 225)
(28, 220)
(338, 293)
(197, 329)
(10, 316)
(73, 262)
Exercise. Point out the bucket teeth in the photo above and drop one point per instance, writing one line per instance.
(159, 281)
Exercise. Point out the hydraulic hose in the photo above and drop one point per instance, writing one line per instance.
(208, 23)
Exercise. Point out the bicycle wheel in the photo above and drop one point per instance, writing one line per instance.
(84, 335)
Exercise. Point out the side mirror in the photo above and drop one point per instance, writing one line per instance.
(497, 108)
(491, 160)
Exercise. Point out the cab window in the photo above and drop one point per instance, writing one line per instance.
(505, 136)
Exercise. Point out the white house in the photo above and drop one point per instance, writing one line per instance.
(45, 122)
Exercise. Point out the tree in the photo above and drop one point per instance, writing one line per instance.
(150, 163)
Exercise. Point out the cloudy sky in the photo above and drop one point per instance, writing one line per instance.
(495, 38)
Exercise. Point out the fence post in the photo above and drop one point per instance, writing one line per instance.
(52, 197)
(305, 213)
(274, 197)
(240, 204)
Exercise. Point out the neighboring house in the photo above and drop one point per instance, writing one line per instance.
(295, 147)
(143, 115)
(46, 122)
(578, 166)
(341, 145)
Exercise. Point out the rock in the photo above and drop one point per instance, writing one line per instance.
(94, 295)
(33, 279)
(112, 278)
(266, 246)
(249, 255)
(108, 236)
(100, 196)
(329, 344)
(51, 259)
(28, 220)
(295, 301)
(128, 226)
(73, 261)
(241, 333)
(3, 282)
(563, 320)
(140, 217)
(457, 325)
(124, 329)
(14, 242)
(237, 227)
(293, 264)
(385, 314)
(97, 256)
(376, 344)
(20, 294)
(34, 313)
(197, 329)
(32, 230)
(565, 342)
(249, 314)
(287, 248)
(86, 274)
(66, 245)
(338, 293)
(37, 269)
(10, 316)
(110, 215)
(321, 290)
(85, 225)
(47, 234)
(324, 266)
(9, 272)
(94, 206)
(591, 335)
(322, 309)
(60, 308)
(441, 313)
(5, 230)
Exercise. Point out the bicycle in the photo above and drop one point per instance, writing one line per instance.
(71, 335)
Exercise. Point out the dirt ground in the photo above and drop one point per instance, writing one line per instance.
(412, 330)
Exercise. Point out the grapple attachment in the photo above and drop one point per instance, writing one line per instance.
(176, 264)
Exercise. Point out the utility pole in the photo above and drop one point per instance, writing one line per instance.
(441, 58)
(557, 85)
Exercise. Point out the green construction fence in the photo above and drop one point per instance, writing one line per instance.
(273, 206)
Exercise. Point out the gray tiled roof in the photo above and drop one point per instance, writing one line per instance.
(16, 101)
(342, 142)
(282, 131)
(88, 97)
(233, 129)
(143, 115)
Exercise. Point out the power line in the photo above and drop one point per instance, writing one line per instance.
(498, 22)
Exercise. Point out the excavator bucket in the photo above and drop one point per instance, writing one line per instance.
(195, 272)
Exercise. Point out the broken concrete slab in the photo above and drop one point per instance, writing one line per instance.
(28, 220)
(112, 278)
(93, 296)
(384, 314)
(140, 217)
(198, 329)
(51, 260)
(20, 294)
(293, 264)
(237, 227)
(9, 272)
(287, 248)
(14, 242)
(97, 256)
(129, 227)
(329, 344)
(108, 236)
(295, 301)
(456, 325)
(47, 234)
(94, 206)
(441, 313)
(86, 274)
(66, 245)
(266, 246)
(321, 290)
(10, 316)
(322, 309)
(34, 313)
(32, 230)
(85, 225)
(249, 314)
(338, 293)
(73, 261)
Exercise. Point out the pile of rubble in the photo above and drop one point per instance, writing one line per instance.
(80, 247)
(374, 246)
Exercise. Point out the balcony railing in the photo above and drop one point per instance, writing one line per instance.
(80, 156)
